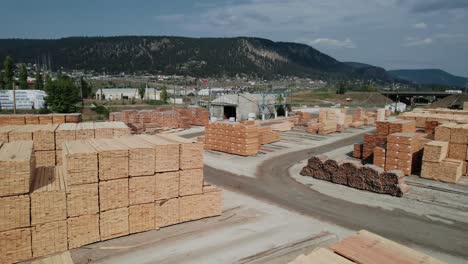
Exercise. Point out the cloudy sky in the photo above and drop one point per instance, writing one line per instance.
(394, 34)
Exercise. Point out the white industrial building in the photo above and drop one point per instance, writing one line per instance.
(241, 105)
(126, 93)
(25, 99)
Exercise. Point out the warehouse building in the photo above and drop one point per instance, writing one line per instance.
(126, 93)
(241, 105)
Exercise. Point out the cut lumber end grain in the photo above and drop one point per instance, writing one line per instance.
(49, 238)
(141, 218)
(15, 212)
(83, 230)
(48, 196)
(17, 164)
(15, 245)
(114, 223)
(167, 212)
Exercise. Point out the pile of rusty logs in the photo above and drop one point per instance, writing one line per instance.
(355, 175)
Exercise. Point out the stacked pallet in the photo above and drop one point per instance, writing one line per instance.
(266, 135)
(16, 173)
(404, 152)
(232, 138)
(379, 157)
(383, 130)
(328, 119)
(39, 119)
(437, 166)
(355, 175)
(147, 121)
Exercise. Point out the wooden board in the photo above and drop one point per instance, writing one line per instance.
(113, 158)
(167, 212)
(120, 129)
(141, 190)
(45, 158)
(17, 166)
(4, 131)
(15, 212)
(113, 194)
(65, 132)
(366, 247)
(85, 130)
(44, 137)
(167, 153)
(191, 152)
(48, 196)
(167, 185)
(141, 156)
(321, 256)
(141, 218)
(15, 245)
(49, 238)
(80, 161)
(114, 223)
(191, 182)
(103, 130)
(83, 230)
(82, 199)
(22, 133)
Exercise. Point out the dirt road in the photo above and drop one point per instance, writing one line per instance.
(273, 184)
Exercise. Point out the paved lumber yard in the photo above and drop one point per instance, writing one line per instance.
(310, 188)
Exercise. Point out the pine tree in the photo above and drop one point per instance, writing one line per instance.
(85, 87)
(62, 94)
(23, 77)
(141, 91)
(164, 94)
(2, 80)
(9, 73)
(39, 85)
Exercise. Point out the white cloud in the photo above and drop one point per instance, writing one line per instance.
(333, 43)
(418, 42)
(421, 25)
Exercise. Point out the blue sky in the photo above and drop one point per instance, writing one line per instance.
(393, 34)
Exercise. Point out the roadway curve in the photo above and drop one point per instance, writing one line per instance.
(274, 184)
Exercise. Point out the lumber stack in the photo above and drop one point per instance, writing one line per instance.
(421, 116)
(39, 119)
(437, 166)
(16, 173)
(266, 135)
(48, 139)
(328, 119)
(148, 121)
(355, 175)
(404, 152)
(106, 188)
(234, 138)
(357, 151)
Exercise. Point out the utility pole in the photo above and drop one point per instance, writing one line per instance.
(14, 97)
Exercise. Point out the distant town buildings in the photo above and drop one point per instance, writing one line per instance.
(126, 93)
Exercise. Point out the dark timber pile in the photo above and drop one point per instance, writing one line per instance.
(355, 175)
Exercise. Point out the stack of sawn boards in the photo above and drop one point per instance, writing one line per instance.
(106, 188)
(39, 119)
(242, 139)
(48, 139)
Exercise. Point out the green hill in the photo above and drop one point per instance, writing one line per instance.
(430, 77)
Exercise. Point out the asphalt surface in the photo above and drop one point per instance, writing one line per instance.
(273, 184)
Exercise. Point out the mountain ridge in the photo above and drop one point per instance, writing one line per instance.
(430, 77)
(183, 55)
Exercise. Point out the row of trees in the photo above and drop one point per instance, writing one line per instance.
(7, 75)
